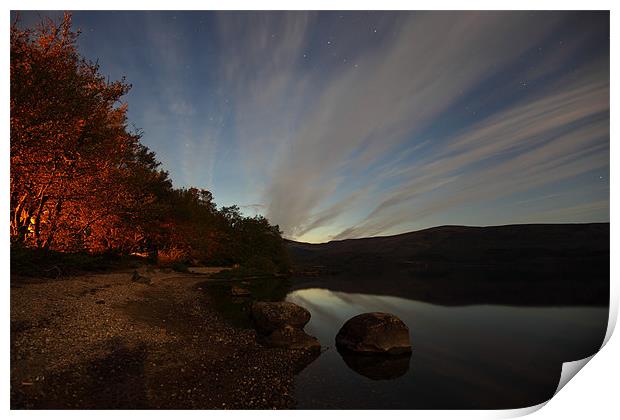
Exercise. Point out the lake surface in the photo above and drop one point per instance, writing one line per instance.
(476, 356)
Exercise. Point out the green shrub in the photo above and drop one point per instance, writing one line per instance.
(179, 267)
(35, 262)
(261, 264)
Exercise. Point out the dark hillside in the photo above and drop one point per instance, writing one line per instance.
(534, 264)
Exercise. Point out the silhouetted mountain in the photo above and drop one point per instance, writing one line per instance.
(529, 264)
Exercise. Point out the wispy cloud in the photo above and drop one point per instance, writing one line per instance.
(559, 136)
(366, 123)
(316, 133)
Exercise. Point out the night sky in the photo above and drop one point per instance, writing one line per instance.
(350, 124)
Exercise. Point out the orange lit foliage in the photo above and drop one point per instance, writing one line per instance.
(78, 176)
(81, 181)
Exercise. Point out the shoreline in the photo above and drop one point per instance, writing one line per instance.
(102, 342)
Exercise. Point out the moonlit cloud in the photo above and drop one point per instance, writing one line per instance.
(556, 137)
(320, 131)
(352, 124)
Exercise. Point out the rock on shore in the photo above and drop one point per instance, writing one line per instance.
(101, 341)
(280, 324)
(271, 316)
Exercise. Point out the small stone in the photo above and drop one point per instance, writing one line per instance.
(239, 291)
(137, 278)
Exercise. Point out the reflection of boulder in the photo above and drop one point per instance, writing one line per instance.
(374, 332)
(270, 316)
(301, 359)
(280, 324)
(377, 366)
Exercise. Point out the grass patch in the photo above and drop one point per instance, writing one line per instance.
(237, 310)
(241, 273)
(52, 264)
(257, 267)
(179, 267)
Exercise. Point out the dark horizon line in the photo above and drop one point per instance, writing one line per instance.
(443, 227)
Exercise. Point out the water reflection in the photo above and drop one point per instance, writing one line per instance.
(236, 309)
(479, 356)
(377, 367)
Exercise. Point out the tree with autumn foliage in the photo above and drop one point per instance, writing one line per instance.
(71, 152)
(81, 181)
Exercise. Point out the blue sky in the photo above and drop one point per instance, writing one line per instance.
(350, 124)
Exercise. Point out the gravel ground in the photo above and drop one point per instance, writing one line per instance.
(104, 342)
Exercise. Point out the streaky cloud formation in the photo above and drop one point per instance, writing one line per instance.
(322, 131)
(341, 125)
(520, 149)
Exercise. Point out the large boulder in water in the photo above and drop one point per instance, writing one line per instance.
(271, 316)
(374, 333)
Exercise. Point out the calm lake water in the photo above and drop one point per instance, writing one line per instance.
(478, 356)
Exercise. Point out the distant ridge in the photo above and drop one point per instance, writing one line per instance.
(451, 227)
(520, 264)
